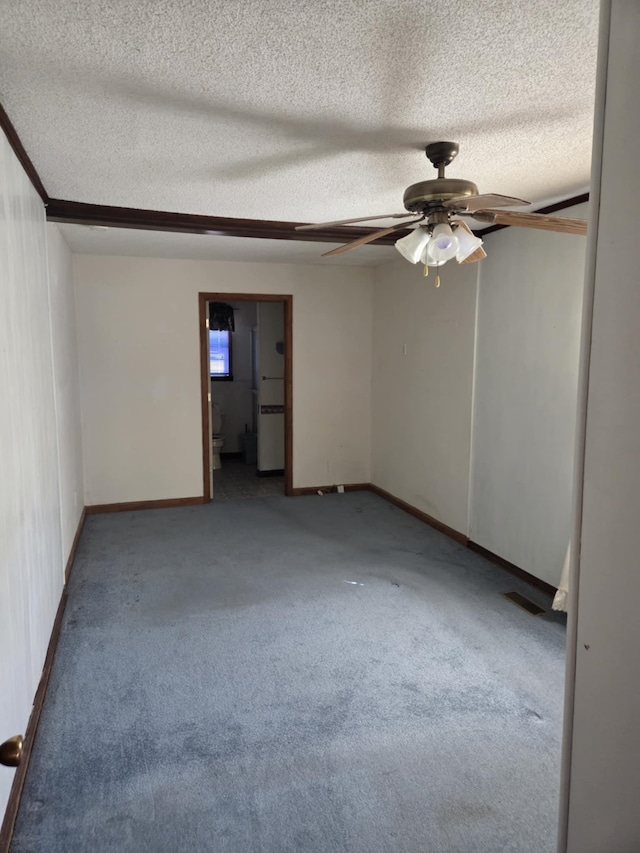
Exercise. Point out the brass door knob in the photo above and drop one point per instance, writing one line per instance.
(11, 751)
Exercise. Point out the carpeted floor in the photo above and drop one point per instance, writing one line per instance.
(273, 675)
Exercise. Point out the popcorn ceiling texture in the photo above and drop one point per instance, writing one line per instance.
(308, 110)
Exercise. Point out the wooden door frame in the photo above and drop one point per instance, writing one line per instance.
(205, 379)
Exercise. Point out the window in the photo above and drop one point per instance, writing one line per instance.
(220, 355)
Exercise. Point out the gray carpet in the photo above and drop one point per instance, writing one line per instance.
(306, 674)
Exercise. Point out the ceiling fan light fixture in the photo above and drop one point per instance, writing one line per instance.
(443, 245)
(427, 260)
(468, 243)
(413, 245)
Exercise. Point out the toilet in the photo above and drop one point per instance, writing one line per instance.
(218, 439)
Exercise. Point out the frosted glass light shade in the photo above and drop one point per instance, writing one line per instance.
(467, 244)
(444, 243)
(425, 258)
(413, 245)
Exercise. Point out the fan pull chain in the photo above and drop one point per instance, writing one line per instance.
(425, 271)
(437, 281)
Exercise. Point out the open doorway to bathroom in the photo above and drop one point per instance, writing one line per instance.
(246, 388)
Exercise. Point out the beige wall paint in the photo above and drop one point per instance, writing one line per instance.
(526, 383)
(39, 427)
(503, 333)
(67, 385)
(422, 400)
(140, 373)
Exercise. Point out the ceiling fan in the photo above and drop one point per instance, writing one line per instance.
(437, 236)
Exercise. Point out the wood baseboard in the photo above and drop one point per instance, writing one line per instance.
(133, 505)
(423, 516)
(74, 547)
(13, 804)
(512, 568)
(464, 540)
(15, 794)
(313, 490)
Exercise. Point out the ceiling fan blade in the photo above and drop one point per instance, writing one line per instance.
(368, 238)
(488, 216)
(477, 202)
(478, 255)
(314, 226)
(540, 220)
(463, 225)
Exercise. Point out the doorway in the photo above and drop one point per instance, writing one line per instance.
(260, 443)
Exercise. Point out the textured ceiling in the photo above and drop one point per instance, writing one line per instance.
(163, 244)
(297, 109)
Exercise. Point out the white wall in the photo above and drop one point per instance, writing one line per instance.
(521, 308)
(67, 385)
(526, 380)
(422, 400)
(236, 398)
(605, 743)
(140, 371)
(36, 377)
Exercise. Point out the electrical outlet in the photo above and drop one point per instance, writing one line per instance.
(340, 489)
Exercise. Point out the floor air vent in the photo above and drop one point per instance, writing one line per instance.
(522, 601)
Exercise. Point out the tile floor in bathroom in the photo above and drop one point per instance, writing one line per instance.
(237, 481)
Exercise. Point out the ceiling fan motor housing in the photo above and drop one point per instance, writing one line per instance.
(442, 153)
(426, 196)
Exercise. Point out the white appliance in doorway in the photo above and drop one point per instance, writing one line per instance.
(269, 366)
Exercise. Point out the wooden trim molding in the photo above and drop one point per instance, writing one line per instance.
(301, 491)
(80, 213)
(74, 546)
(563, 205)
(464, 540)
(21, 154)
(313, 490)
(205, 384)
(17, 786)
(205, 390)
(15, 794)
(129, 506)
(288, 396)
(422, 516)
(512, 569)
